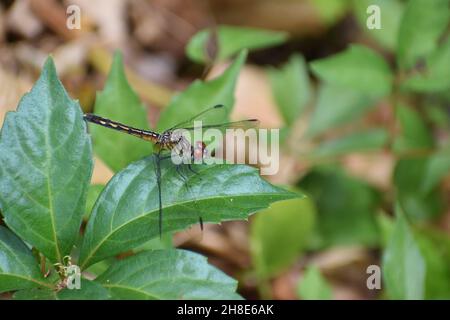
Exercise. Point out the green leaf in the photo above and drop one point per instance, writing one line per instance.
(360, 141)
(35, 294)
(330, 10)
(391, 14)
(404, 267)
(279, 234)
(358, 68)
(386, 225)
(410, 173)
(167, 274)
(119, 102)
(229, 41)
(314, 286)
(419, 203)
(291, 88)
(203, 95)
(45, 167)
(437, 279)
(421, 27)
(346, 207)
(436, 114)
(89, 290)
(126, 213)
(337, 106)
(18, 266)
(437, 167)
(165, 242)
(414, 133)
(92, 195)
(434, 246)
(436, 77)
(100, 267)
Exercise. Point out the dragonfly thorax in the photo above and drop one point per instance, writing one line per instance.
(168, 139)
(182, 147)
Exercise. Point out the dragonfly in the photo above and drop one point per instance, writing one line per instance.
(174, 141)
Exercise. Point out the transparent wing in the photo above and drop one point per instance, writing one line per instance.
(243, 124)
(217, 109)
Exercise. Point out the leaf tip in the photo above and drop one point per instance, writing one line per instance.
(49, 68)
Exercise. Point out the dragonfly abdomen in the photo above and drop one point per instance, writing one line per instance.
(143, 134)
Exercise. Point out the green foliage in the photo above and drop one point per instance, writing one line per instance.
(422, 25)
(330, 10)
(359, 68)
(225, 41)
(437, 167)
(314, 286)
(94, 191)
(202, 95)
(404, 267)
(414, 265)
(291, 88)
(126, 213)
(362, 141)
(437, 280)
(414, 133)
(345, 207)
(352, 82)
(18, 267)
(411, 174)
(45, 167)
(89, 290)
(120, 103)
(177, 274)
(419, 203)
(391, 14)
(436, 77)
(279, 234)
(336, 106)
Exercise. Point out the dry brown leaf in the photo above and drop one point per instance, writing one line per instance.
(338, 257)
(284, 287)
(110, 18)
(53, 15)
(167, 24)
(212, 241)
(2, 25)
(102, 174)
(375, 168)
(298, 17)
(253, 96)
(21, 20)
(12, 89)
(158, 95)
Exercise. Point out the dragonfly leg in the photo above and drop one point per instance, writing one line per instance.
(191, 169)
(157, 163)
(179, 168)
(201, 223)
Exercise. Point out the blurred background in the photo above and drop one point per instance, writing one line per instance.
(316, 247)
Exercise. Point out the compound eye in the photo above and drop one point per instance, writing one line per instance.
(200, 145)
(198, 154)
(177, 136)
(200, 150)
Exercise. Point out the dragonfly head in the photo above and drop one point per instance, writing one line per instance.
(176, 136)
(169, 138)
